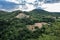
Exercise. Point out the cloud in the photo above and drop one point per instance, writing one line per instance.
(15, 1)
(29, 5)
(8, 6)
(52, 7)
(30, 1)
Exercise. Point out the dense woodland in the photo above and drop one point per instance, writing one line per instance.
(12, 28)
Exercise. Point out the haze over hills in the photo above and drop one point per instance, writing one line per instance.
(28, 5)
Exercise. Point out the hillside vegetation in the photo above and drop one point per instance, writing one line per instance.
(33, 25)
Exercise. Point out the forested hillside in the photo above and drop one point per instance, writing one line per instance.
(33, 25)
